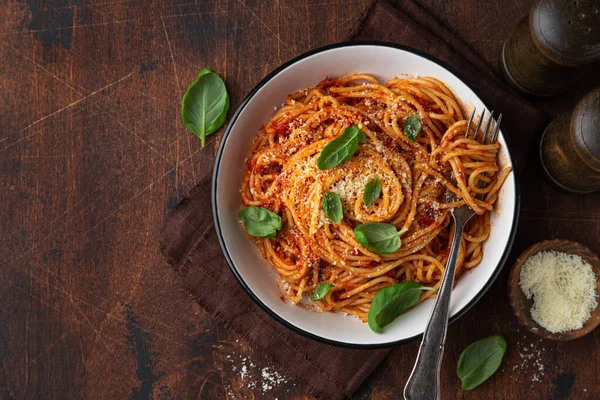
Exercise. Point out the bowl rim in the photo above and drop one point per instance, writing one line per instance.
(214, 206)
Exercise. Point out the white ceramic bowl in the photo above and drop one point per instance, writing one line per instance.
(385, 61)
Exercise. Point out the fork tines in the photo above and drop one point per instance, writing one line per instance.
(484, 139)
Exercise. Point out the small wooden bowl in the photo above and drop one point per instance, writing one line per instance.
(521, 305)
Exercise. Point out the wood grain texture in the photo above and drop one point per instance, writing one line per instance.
(93, 156)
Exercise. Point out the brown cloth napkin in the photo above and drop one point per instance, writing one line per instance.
(189, 241)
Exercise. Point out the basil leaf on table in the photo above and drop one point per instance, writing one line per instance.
(379, 237)
(204, 105)
(392, 301)
(321, 291)
(340, 149)
(332, 206)
(372, 191)
(412, 127)
(260, 222)
(480, 360)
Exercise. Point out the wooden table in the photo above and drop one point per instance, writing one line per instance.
(93, 156)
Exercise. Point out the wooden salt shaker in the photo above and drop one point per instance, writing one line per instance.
(570, 147)
(547, 51)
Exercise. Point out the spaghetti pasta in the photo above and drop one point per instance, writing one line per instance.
(282, 176)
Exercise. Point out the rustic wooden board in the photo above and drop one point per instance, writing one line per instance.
(93, 156)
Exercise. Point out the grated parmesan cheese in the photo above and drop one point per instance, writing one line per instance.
(350, 186)
(563, 287)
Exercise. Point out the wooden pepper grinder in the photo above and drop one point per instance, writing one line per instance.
(546, 52)
(570, 147)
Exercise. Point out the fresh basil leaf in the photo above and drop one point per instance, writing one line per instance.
(480, 360)
(340, 149)
(392, 301)
(321, 291)
(204, 105)
(412, 127)
(362, 138)
(332, 206)
(259, 221)
(378, 237)
(372, 192)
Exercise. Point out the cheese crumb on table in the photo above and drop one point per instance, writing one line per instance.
(563, 287)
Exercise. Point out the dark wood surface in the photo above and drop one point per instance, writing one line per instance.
(93, 156)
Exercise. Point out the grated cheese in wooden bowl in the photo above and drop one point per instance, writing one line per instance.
(563, 287)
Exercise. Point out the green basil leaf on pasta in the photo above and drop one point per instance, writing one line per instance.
(260, 222)
(332, 207)
(392, 301)
(321, 291)
(340, 149)
(362, 138)
(372, 191)
(379, 237)
(204, 105)
(480, 360)
(412, 127)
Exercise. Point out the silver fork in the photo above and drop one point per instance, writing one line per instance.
(424, 381)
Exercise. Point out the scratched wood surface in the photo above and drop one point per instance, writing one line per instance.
(93, 156)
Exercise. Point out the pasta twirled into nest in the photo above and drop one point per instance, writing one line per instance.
(282, 175)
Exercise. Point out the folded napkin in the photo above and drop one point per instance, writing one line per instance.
(188, 239)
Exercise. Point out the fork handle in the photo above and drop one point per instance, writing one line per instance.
(424, 381)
